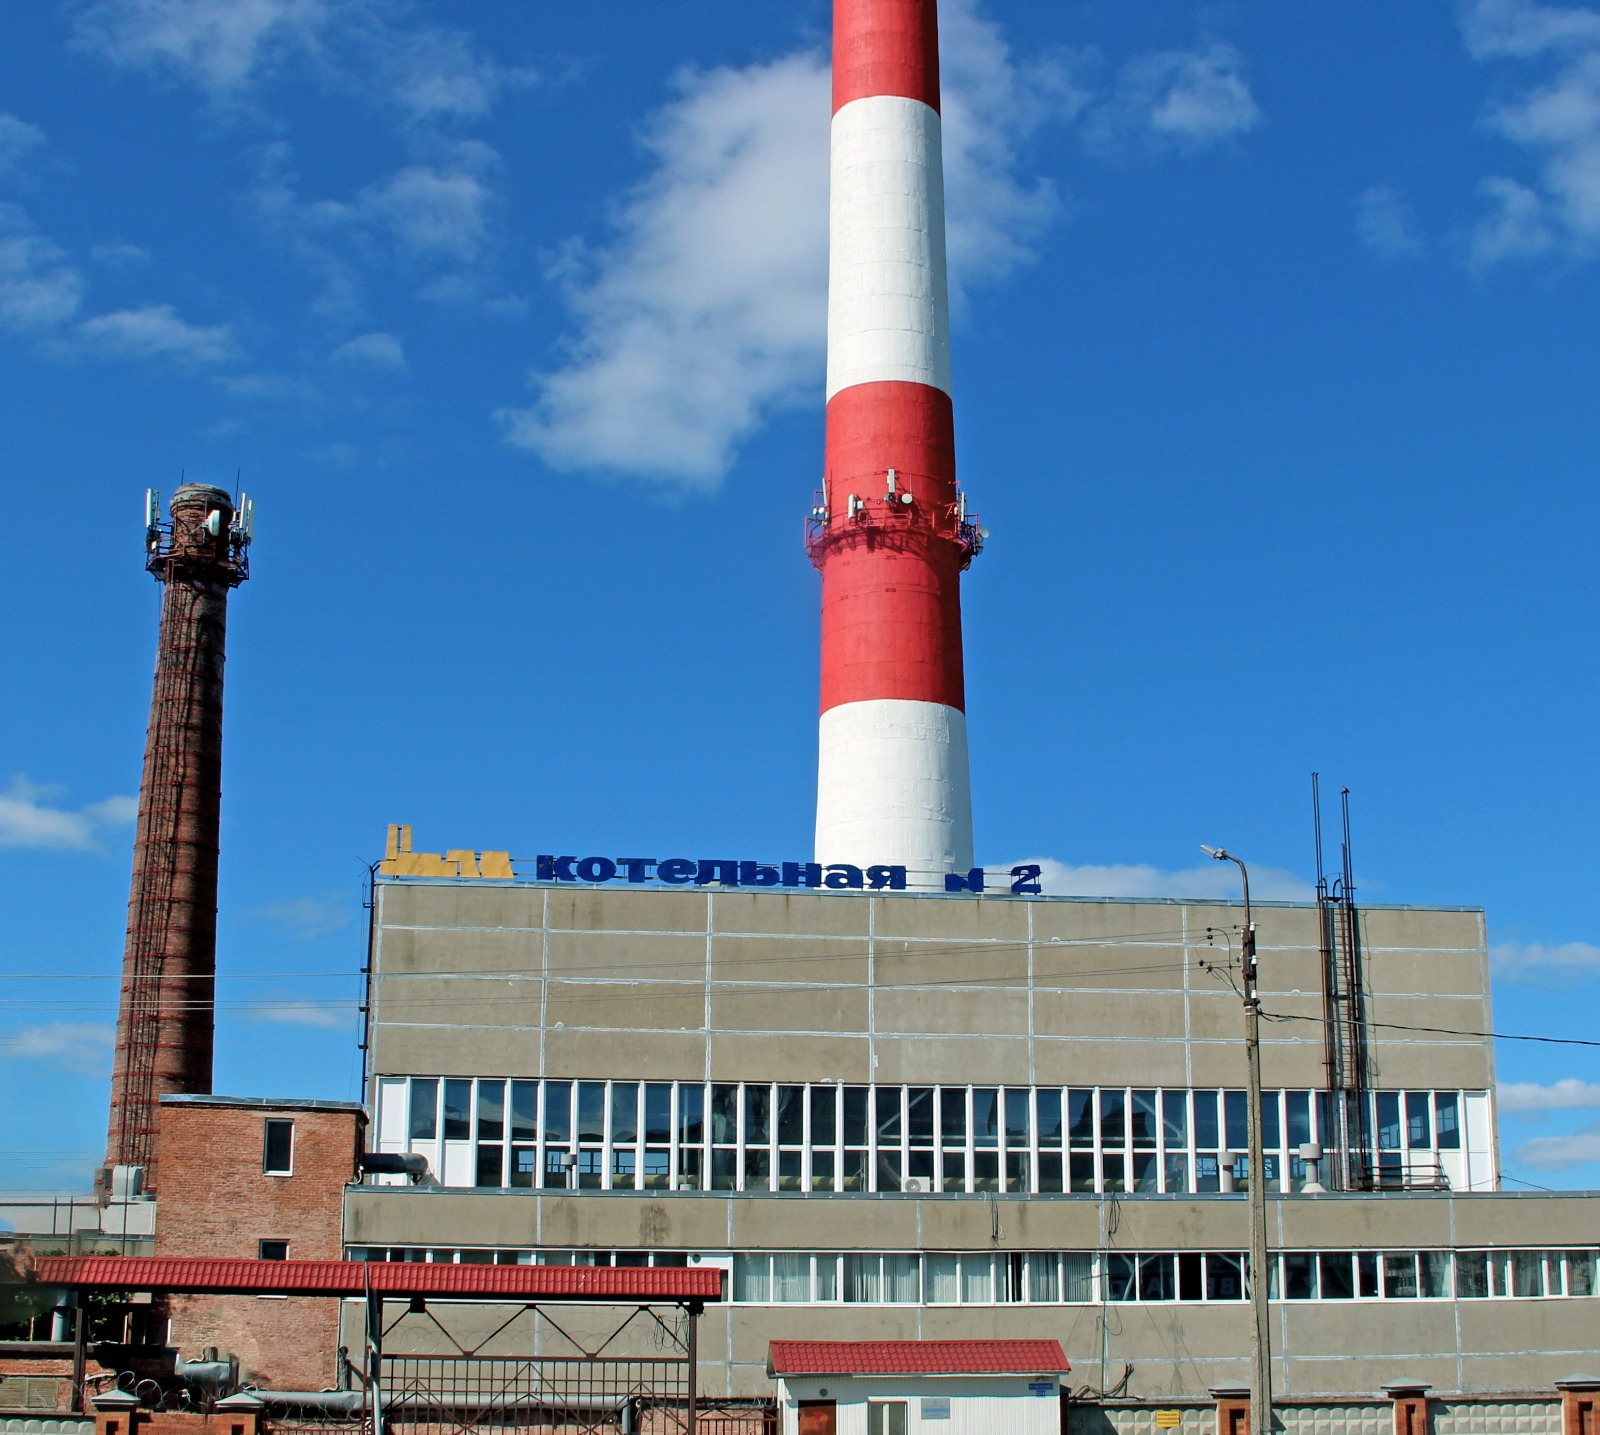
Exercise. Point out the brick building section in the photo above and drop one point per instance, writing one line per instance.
(218, 1200)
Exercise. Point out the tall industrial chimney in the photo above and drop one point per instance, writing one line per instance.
(164, 1024)
(891, 534)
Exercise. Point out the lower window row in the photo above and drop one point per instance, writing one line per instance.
(1082, 1277)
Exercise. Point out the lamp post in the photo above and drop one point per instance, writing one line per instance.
(1260, 1279)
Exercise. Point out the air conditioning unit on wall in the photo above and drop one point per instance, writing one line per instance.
(915, 1186)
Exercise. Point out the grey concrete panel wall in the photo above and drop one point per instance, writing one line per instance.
(1534, 1415)
(1065, 990)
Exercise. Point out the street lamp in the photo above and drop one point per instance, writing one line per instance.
(1261, 1345)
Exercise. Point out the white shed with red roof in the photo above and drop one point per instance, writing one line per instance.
(942, 1387)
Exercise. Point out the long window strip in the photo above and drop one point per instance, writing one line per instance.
(1109, 1139)
(989, 1278)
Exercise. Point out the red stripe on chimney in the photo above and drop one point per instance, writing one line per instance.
(885, 47)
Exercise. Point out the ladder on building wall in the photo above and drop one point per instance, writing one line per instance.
(1347, 1133)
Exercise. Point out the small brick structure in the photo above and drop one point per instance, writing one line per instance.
(218, 1199)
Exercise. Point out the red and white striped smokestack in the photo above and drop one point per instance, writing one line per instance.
(892, 535)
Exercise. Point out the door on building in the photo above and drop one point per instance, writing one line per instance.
(819, 1417)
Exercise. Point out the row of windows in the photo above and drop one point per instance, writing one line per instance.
(629, 1135)
(1085, 1277)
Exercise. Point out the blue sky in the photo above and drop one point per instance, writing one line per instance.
(1276, 373)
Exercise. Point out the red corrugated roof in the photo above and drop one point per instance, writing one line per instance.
(351, 1278)
(917, 1357)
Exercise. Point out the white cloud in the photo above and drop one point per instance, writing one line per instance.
(1568, 1094)
(301, 1013)
(84, 1047)
(1556, 119)
(1557, 1153)
(28, 820)
(156, 332)
(18, 139)
(1212, 881)
(434, 211)
(39, 289)
(119, 256)
(1572, 960)
(708, 312)
(1385, 225)
(226, 48)
(380, 350)
(309, 917)
(1176, 99)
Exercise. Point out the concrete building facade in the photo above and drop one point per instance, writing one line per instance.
(896, 1115)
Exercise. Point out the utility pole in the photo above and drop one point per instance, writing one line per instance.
(1260, 1278)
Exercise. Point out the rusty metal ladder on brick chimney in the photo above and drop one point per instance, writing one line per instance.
(1347, 1133)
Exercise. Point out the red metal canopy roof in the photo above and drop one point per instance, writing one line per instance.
(354, 1278)
(916, 1357)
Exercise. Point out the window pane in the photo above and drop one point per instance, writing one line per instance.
(1433, 1274)
(822, 1170)
(889, 1171)
(1156, 1278)
(1271, 1125)
(985, 1170)
(1205, 1120)
(591, 1111)
(939, 1275)
(985, 1117)
(277, 1147)
(900, 1279)
(861, 1279)
(757, 1115)
(1527, 1273)
(1297, 1105)
(1337, 1272)
(1580, 1272)
(886, 1115)
(1050, 1175)
(658, 1113)
(757, 1168)
(1472, 1275)
(424, 1110)
(1366, 1273)
(853, 1169)
(1144, 1118)
(1299, 1276)
(1400, 1277)
(1113, 1131)
(1447, 1119)
(1114, 1170)
(1044, 1278)
(824, 1116)
(919, 1115)
(977, 1279)
(1018, 1120)
(524, 1164)
(457, 1111)
(1049, 1101)
(1145, 1171)
(489, 1158)
(855, 1116)
(491, 1111)
(524, 1110)
(827, 1278)
(789, 1170)
(1120, 1271)
(1388, 1104)
(1077, 1277)
(887, 1417)
(1177, 1173)
(1237, 1111)
(1224, 1277)
(1419, 1126)
(953, 1115)
(791, 1115)
(1080, 1116)
(1080, 1173)
(558, 1112)
(724, 1168)
(725, 1114)
(791, 1277)
(752, 1279)
(691, 1115)
(1175, 1117)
